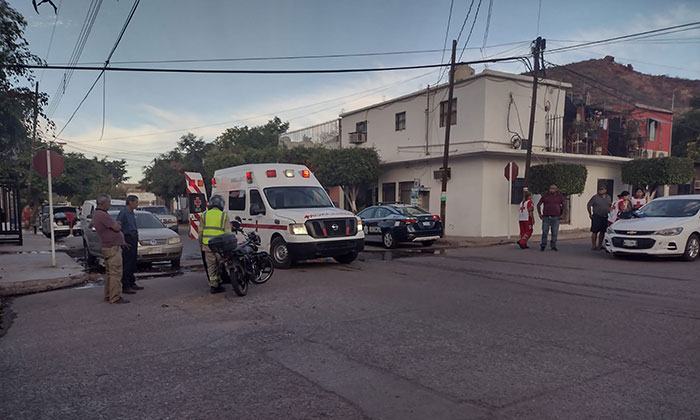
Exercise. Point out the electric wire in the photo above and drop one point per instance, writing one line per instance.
(471, 30)
(488, 24)
(444, 44)
(53, 32)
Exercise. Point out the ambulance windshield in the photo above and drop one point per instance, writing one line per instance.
(297, 197)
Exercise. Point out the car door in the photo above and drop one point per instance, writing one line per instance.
(367, 216)
(380, 222)
(258, 217)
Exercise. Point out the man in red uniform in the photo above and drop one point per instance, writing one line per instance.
(526, 219)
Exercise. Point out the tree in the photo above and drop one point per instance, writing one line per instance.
(16, 97)
(351, 169)
(693, 150)
(686, 129)
(651, 173)
(84, 178)
(569, 178)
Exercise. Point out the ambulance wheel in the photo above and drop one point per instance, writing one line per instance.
(388, 239)
(280, 253)
(347, 258)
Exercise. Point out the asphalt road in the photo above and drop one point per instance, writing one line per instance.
(475, 333)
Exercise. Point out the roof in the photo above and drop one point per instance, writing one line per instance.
(486, 73)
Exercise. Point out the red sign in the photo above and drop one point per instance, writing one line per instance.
(507, 170)
(197, 202)
(56, 164)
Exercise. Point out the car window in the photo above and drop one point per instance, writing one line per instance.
(411, 211)
(147, 221)
(156, 210)
(257, 206)
(382, 212)
(368, 213)
(236, 200)
(671, 208)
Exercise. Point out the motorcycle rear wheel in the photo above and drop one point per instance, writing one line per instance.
(264, 269)
(238, 279)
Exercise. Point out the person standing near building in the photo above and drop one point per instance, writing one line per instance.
(639, 200)
(622, 205)
(526, 220)
(214, 223)
(550, 208)
(27, 216)
(127, 219)
(110, 233)
(598, 208)
(70, 218)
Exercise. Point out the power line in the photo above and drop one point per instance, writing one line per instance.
(466, 18)
(260, 71)
(476, 15)
(53, 32)
(653, 32)
(444, 44)
(488, 24)
(102, 70)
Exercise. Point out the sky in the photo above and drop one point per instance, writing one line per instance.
(146, 113)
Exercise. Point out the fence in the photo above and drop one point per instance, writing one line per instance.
(554, 134)
(10, 215)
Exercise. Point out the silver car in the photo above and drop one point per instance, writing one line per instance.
(61, 226)
(156, 242)
(163, 215)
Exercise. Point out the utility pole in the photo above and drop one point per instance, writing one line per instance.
(31, 151)
(538, 46)
(448, 124)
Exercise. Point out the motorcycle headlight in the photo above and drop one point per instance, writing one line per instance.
(298, 229)
(669, 232)
(173, 241)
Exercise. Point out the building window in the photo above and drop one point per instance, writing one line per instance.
(516, 194)
(361, 127)
(652, 129)
(400, 121)
(236, 200)
(443, 113)
(389, 192)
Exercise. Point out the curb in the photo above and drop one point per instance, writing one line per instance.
(42, 285)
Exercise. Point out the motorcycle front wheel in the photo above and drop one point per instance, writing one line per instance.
(264, 267)
(238, 279)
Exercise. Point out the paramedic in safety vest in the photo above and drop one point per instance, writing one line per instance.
(214, 223)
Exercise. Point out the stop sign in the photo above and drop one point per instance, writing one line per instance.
(507, 170)
(56, 164)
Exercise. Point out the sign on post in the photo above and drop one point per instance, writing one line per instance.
(49, 164)
(197, 200)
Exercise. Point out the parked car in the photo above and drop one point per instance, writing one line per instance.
(156, 242)
(162, 213)
(61, 227)
(391, 224)
(668, 226)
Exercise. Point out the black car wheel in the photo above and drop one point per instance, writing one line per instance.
(428, 243)
(280, 253)
(347, 258)
(388, 239)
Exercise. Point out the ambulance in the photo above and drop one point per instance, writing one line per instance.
(290, 210)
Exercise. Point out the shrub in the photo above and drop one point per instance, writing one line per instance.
(569, 178)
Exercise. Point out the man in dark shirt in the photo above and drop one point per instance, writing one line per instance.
(553, 212)
(112, 240)
(598, 210)
(129, 254)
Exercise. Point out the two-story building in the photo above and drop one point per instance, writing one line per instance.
(490, 117)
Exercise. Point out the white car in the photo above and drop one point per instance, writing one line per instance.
(667, 226)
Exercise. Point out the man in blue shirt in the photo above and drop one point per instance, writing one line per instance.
(129, 253)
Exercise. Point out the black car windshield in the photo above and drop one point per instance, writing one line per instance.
(671, 208)
(411, 211)
(147, 221)
(297, 197)
(157, 210)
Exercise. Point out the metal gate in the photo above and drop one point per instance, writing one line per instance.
(10, 215)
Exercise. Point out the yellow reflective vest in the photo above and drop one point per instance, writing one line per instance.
(215, 223)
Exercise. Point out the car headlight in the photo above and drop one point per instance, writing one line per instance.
(359, 225)
(669, 232)
(173, 241)
(609, 230)
(298, 229)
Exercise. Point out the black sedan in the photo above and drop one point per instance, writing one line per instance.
(391, 224)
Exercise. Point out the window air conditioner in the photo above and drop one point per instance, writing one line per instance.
(358, 137)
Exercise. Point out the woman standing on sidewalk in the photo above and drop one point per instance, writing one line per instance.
(526, 219)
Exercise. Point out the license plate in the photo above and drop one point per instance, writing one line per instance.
(629, 243)
(427, 223)
(154, 250)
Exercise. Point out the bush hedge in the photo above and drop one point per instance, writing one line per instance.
(658, 171)
(569, 178)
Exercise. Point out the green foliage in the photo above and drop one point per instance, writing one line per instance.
(259, 137)
(569, 178)
(84, 178)
(657, 171)
(693, 150)
(686, 129)
(351, 169)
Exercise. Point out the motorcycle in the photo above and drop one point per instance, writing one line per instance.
(241, 263)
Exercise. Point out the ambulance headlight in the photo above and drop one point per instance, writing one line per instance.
(359, 225)
(298, 229)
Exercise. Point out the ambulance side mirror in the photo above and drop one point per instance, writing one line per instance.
(236, 225)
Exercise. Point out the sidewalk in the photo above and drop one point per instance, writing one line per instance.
(27, 269)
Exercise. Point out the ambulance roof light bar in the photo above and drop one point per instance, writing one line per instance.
(289, 173)
(306, 173)
(271, 173)
(249, 177)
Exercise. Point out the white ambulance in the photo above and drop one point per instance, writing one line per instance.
(294, 216)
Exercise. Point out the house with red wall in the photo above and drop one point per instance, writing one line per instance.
(655, 125)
